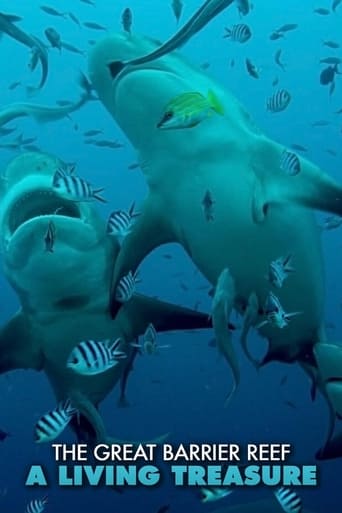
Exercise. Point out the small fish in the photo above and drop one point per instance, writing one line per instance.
(337, 112)
(50, 237)
(150, 345)
(279, 101)
(126, 287)
(275, 314)
(331, 60)
(108, 144)
(120, 223)
(290, 163)
(279, 270)
(322, 11)
(63, 103)
(243, 6)
(331, 44)
(287, 27)
(276, 35)
(92, 133)
(53, 423)
(133, 166)
(14, 85)
(93, 357)
(288, 500)
(53, 37)
(94, 26)
(290, 404)
(252, 70)
(320, 123)
(327, 76)
(89, 2)
(127, 19)
(188, 110)
(331, 152)
(211, 494)
(75, 188)
(205, 65)
(3, 435)
(240, 33)
(72, 48)
(335, 4)
(52, 11)
(277, 59)
(36, 505)
(177, 7)
(275, 81)
(332, 222)
(74, 18)
(31, 147)
(163, 509)
(208, 206)
(298, 147)
(283, 380)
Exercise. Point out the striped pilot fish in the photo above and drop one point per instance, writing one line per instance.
(279, 101)
(290, 163)
(275, 313)
(240, 33)
(279, 270)
(120, 223)
(126, 287)
(288, 500)
(75, 188)
(36, 505)
(53, 423)
(93, 357)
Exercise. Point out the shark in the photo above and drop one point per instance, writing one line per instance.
(8, 26)
(260, 212)
(47, 113)
(63, 291)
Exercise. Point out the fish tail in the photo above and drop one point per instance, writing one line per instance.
(228, 32)
(97, 196)
(215, 103)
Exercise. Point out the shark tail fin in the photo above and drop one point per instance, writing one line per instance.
(215, 103)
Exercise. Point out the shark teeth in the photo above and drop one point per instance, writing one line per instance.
(38, 203)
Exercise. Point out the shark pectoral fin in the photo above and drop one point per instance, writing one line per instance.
(88, 424)
(149, 231)
(142, 311)
(12, 18)
(18, 348)
(250, 319)
(310, 186)
(223, 302)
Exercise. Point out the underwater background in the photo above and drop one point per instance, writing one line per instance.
(182, 389)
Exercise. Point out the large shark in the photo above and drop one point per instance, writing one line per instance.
(8, 26)
(260, 212)
(64, 293)
(46, 113)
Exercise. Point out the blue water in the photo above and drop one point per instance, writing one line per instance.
(192, 378)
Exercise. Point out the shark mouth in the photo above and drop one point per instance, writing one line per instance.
(38, 203)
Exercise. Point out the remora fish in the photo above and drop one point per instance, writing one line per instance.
(209, 10)
(7, 26)
(222, 305)
(43, 113)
